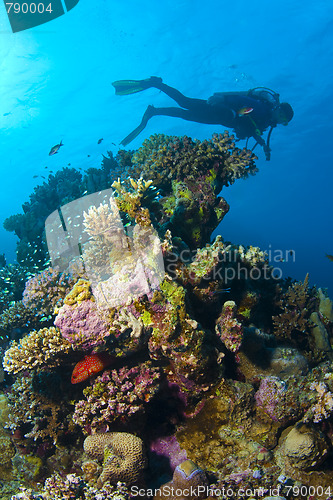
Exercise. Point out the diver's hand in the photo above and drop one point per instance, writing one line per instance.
(267, 151)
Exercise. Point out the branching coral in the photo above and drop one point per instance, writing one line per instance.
(121, 266)
(116, 396)
(46, 291)
(46, 418)
(17, 316)
(72, 486)
(293, 323)
(45, 347)
(323, 409)
(170, 157)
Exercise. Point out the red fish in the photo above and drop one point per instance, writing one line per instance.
(89, 365)
(244, 111)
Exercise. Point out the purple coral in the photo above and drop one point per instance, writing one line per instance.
(82, 324)
(169, 447)
(116, 396)
(228, 328)
(273, 398)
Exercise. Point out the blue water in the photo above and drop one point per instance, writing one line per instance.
(55, 84)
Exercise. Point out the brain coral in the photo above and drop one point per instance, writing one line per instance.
(122, 455)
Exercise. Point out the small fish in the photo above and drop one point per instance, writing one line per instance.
(6, 114)
(99, 141)
(88, 156)
(55, 149)
(69, 164)
(330, 257)
(89, 365)
(35, 176)
(244, 111)
(223, 290)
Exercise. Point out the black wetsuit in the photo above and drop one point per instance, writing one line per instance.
(222, 109)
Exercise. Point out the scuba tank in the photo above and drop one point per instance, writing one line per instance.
(265, 94)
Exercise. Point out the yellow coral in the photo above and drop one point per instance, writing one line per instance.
(122, 455)
(39, 348)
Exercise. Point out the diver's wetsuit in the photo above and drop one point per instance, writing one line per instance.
(249, 113)
(220, 109)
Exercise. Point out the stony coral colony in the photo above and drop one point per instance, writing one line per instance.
(220, 375)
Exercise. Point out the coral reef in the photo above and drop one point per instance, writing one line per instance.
(71, 486)
(38, 349)
(82, 325)
(16, 319)
(188, 481)
(194, 345)
(43, 417)
(117, 396)
(228, 328)
(122, 455)
(46, 291)
(301, 447)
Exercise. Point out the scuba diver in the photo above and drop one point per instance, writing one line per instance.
(248, 113)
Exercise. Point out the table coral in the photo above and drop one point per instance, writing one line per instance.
(116, 396)
(122, 454)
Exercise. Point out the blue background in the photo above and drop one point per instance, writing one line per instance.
(55, 84)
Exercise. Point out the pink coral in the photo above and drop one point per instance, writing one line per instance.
(116, 396)
(82, 325)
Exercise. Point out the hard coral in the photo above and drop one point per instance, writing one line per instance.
(188, 482)
(82, 325)
(46, 291)
(177, 337)
(228, 328)
(30, 408)
(170, 157)
(122, 454)
(41, 348)
(116, 396)
(16, 318)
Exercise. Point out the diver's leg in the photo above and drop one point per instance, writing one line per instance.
(146, 117)
(181, 99)
(206, 115)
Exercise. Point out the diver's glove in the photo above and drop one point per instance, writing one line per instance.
(267, 151)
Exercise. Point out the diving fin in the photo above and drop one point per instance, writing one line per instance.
(126, 87)
(130, 137)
